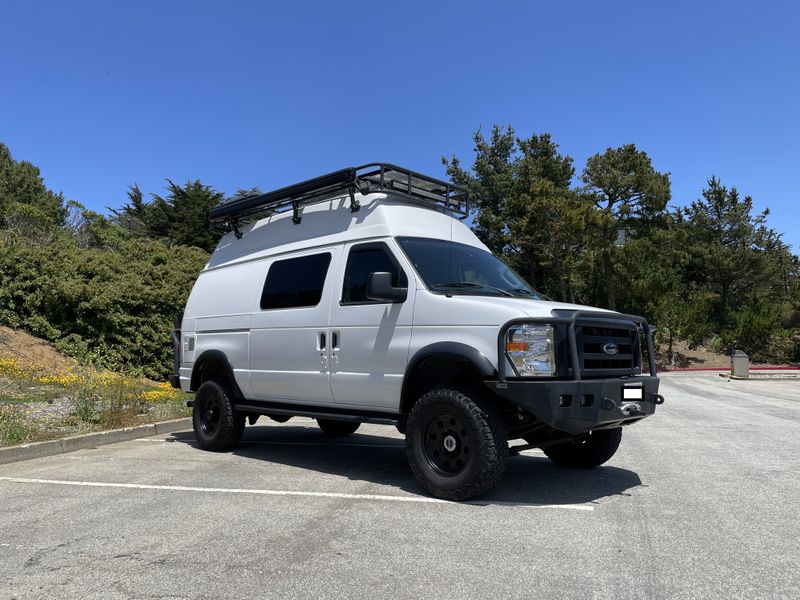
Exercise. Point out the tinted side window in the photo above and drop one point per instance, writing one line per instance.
(363, 260)
(295, 282)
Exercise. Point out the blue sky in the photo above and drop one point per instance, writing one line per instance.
(104, 94)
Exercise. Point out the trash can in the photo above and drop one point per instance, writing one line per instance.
(740, 364)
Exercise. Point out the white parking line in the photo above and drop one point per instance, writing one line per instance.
(182, 488)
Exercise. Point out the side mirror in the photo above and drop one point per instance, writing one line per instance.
(379, 287)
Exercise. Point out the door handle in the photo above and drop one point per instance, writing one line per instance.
(335, 350)
(321, 341)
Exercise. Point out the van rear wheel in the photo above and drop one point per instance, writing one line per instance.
(456, 447)
(217, 426)
(337, 428)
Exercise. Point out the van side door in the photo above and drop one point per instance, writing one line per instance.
(289, 336)
(370, 339)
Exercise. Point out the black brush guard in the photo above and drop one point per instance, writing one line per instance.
(571, 402)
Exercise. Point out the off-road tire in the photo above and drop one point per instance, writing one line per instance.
(586, 452)
(337, 428)
(217, 426)
(478, 440)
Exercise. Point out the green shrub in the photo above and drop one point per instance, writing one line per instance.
(84, 409)
(110, 305)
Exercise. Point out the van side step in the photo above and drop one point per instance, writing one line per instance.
(316, 412)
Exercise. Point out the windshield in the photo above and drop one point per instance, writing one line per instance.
(461, 269)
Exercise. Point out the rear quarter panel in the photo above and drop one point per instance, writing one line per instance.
(218, 315)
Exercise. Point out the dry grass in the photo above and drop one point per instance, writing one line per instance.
(693, 358)
(29, 349)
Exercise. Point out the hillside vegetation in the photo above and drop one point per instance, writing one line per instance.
(44, 394)
(106, 289)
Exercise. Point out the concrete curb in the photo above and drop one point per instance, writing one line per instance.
(764, 376)
(90, 440)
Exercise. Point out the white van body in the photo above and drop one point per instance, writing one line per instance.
(360, 305)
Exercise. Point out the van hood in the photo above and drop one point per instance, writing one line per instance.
(545, 308)
(468, 309)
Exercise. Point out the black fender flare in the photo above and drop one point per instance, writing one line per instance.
(474, 357)
(217, 355)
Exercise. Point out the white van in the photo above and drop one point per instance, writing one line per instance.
(361, 296)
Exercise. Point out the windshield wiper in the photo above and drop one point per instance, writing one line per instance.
(526, 292)
(472, 284)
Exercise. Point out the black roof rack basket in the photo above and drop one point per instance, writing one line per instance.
(366, 179)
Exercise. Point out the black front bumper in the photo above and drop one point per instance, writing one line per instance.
(577, 407)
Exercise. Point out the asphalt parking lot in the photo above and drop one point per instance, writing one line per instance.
(701, 501)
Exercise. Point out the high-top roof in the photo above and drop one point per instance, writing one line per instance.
(333, 222)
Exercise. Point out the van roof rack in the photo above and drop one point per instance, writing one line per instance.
(373, 177)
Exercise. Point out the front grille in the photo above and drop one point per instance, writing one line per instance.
(596, 342)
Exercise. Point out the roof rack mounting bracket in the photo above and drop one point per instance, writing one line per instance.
(234, 226)
(355, 205)
(296, 218)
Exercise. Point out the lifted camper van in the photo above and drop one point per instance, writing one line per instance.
(361, 297)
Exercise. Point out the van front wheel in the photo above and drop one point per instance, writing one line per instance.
(456, 447)
(217, 426)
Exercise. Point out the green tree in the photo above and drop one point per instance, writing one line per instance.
(525, 209)
(133, 215)
(631, 197)
(742, 265)
(654, 267)
(23, 192)
(179, 217)
(551, 240)
(491, 183)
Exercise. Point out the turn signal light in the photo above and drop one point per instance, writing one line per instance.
(517, 346)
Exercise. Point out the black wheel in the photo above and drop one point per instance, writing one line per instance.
(217, 426)
(457, 448)
(338, 428)
(587, 451)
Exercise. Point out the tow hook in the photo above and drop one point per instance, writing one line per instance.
(658, 399)
(631, 409)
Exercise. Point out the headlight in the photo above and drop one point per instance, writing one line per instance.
(531, 349)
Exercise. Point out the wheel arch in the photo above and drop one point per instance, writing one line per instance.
(441, 363)
(211, 364)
